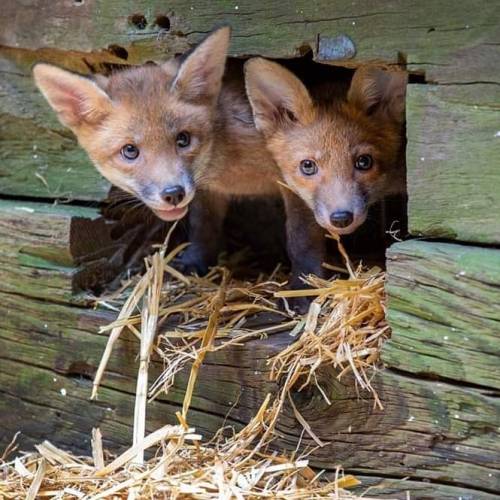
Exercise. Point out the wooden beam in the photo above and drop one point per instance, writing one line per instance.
(453, 155)
(444, 310)
(452, 43)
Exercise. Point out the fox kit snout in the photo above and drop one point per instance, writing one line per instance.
(338, 154)
(147, 129)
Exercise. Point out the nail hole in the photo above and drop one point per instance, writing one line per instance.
(138, 20)
(118, 51)
(163, 22)
(78, 2)
(430, 30)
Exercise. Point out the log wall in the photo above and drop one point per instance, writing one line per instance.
(440, 386)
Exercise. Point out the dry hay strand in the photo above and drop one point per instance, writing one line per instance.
(182, 468)
(344, 328)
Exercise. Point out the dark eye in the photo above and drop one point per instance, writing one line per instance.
(364, 162)
(130, 152)
(183, 140)
(308, 167)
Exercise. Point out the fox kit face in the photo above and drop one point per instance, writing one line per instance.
(339, 156)
(148, 130)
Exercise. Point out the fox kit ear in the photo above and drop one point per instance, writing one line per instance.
(199, 77)
(76, 100)
(276, 95)
(375, 90)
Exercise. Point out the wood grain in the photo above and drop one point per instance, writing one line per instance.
(440, 434)
(444, 310)
(453, 158)
(451, 42)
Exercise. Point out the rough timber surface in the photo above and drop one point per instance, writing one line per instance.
(453, 43)
(453, 158)
(444, 310)
(441, 436)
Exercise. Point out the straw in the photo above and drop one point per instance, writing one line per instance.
(344, 329)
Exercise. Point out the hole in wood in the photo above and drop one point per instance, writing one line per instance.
(139, 21)
(163, 22)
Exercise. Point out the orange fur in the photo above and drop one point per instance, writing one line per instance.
(332, 131)
(148, 106)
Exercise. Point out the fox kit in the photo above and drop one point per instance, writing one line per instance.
(149, 130)
(177, 137)
(339, 154)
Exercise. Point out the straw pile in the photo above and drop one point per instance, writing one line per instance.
(344, 328)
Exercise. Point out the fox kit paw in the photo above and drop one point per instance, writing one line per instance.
(192, 262)
(299, 305)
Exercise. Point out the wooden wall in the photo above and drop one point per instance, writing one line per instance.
(440, 387)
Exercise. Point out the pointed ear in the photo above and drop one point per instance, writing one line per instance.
(76, 100)
(278, 98)
(199, 77)
(375, 90)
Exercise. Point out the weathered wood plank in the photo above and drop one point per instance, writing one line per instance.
(452, 42)
(64, 340)
(444, 310)
(36, 251)
(453, 155)
(402, 490)
(417, 434)
(428, 430)
(39, 156)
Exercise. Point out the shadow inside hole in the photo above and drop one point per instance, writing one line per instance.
(163, 22)
(138, 20)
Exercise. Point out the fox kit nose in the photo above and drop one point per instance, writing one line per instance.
(173, 195)
(341, 219)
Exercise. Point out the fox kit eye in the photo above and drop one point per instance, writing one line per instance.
(130, 152)
(308, 167)
(364, 162)
(183, 139)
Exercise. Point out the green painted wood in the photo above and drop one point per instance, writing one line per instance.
(444, 310)
(452, 42)
(453, 158)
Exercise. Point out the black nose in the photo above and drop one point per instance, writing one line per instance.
(341, 219)
(173, 195)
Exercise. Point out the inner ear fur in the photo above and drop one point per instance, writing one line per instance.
(378, 91)
(199, 77)
(276, 95)
(77, 100)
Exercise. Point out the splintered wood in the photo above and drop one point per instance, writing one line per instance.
(344, 328)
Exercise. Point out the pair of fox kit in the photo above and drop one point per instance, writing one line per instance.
(185, 135)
